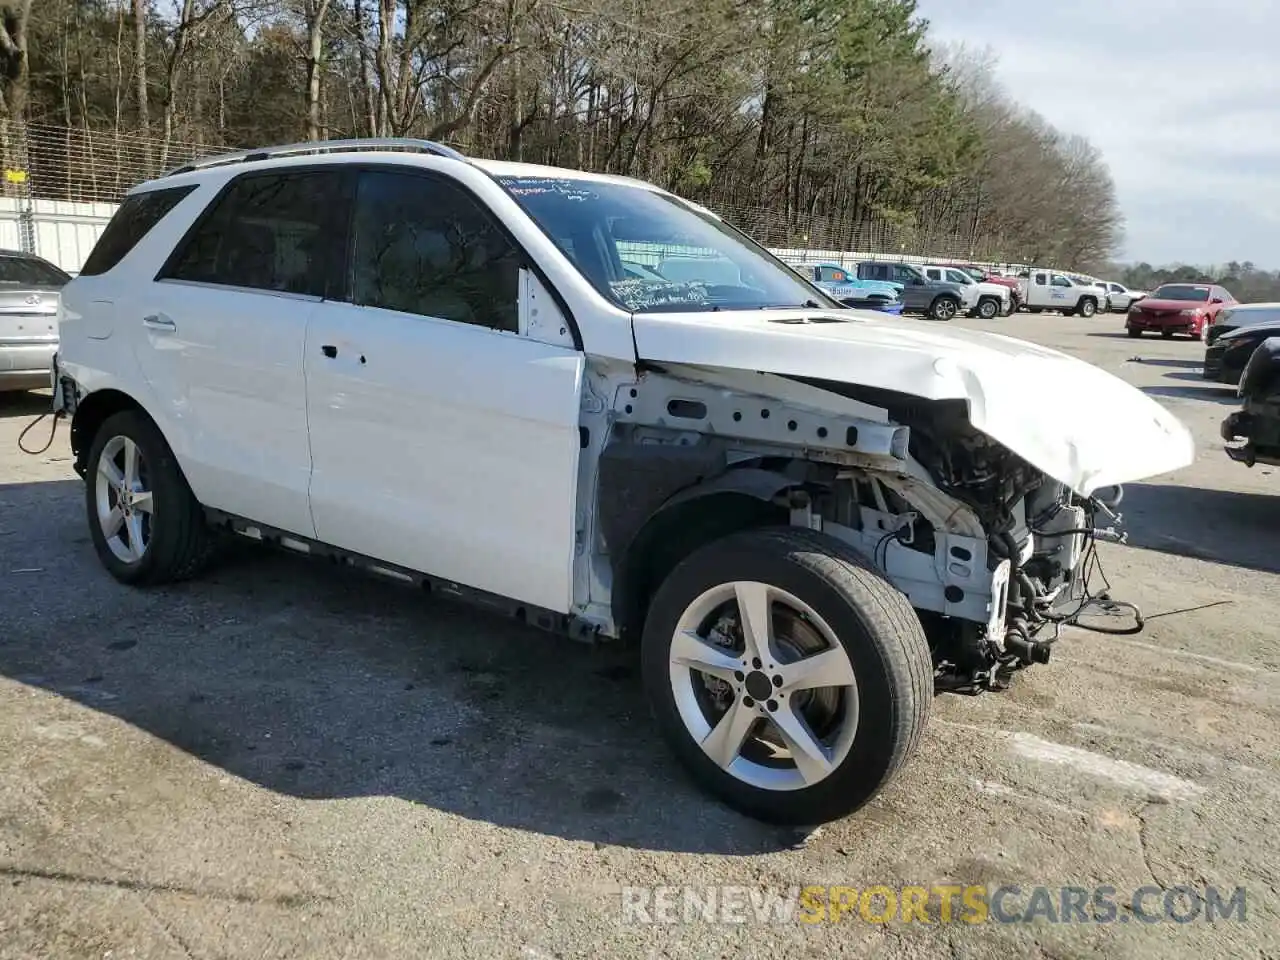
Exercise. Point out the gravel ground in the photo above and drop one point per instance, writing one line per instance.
(283, 761)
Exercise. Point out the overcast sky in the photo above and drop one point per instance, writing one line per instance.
(1179, 95)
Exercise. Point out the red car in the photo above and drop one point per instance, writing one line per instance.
(1178, 308)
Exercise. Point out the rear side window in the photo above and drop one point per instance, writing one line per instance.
(424, 246)
(282, 232)
(132, 221)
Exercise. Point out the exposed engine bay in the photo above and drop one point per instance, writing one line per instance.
(994, 555)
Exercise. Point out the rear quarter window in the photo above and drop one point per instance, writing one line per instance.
(134, 219)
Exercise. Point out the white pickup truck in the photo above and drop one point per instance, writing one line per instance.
(981, 299)
(1052, 290)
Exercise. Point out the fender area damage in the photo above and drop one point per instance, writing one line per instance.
(987, 548)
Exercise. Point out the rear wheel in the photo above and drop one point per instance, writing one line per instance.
(1087, 307)
(1034, 309)
(146, 525)
(944, 308)
(790, 678)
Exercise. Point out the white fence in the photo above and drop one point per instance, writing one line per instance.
(63, 232)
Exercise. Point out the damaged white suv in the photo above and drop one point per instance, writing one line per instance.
(594, 404)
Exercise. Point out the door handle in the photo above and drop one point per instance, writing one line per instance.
(329, 350)
(158, 321)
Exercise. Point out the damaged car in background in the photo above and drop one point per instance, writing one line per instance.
(810, 519)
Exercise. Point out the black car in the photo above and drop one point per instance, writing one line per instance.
(1257, 422)
(1240, 315)
(1228, 352)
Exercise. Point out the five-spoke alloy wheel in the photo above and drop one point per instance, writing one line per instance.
(790, 678)
(146, 524)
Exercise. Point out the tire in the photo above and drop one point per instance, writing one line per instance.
(1035, 309)
(880, 716)
(1133, 331)
(944, 308)
(175, 541)
(988, 308)
(1087, 307)
(1166, 334)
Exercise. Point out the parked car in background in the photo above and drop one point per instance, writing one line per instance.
(1257, 422)
(1237, 315)
(841, 285)
(986, 276)
(1053, 290)
(1104, 292)
(1121, 298)
(1226, 357)
(937, 299)
(985, 300)
(29, 290)
(1187, 308)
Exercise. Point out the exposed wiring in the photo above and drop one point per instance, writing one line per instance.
(1101, 600)
(53, 428)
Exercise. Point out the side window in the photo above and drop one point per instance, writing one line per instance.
(1040, 279)
(1116, 288)
(903, 274)
(131, 222)
(832, 275)
(424, 246)
(1059, 281)
(270, 231)
(933, 274)
(955, 276)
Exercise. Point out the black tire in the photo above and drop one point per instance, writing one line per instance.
(1133, 331)
(1166, 334)
(1035, 309)
(988, 308)
(1087, 307)
(944, 308)
(872, 621)
(180, 543)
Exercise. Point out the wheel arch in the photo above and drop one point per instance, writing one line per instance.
(736, 500)
(92, 412)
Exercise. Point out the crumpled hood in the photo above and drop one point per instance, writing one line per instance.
(1076, 422)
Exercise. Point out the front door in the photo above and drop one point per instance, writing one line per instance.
(223, 329)
(442, 439)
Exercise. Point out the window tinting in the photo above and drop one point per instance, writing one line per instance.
(131, 222)
(29, 272)
(276, 231)
(422, 245)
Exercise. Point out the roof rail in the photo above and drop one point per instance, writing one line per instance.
(400, 144)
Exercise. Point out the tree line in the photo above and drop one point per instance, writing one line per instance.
(826, 123)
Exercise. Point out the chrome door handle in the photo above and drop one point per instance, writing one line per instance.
(158, 322)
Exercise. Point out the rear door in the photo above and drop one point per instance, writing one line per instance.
(224, 330)
(443, 438)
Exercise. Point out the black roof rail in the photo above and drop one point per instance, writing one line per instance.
(398, 144)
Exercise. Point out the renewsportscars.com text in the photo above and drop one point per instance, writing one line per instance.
(936, 904)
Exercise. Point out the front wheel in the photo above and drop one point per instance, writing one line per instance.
(944, 308)
(146, 525)
(790, 678)
(1133, 331)
(988, 308)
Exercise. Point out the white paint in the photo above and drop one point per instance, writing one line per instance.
(1131, 776)
(993, 789)
(1187, 654)
(1086, 427)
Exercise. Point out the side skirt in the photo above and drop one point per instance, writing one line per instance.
(568, 625)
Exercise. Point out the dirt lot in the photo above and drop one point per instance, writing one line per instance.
(281, 761)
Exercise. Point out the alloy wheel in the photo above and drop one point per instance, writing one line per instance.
(124, 499)
(763, 686)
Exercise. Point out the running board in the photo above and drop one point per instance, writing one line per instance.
(568, 625)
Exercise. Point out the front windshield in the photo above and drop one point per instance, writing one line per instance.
(692, 262)
(1181, 291)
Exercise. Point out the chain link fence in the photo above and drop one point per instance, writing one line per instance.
(61, 186)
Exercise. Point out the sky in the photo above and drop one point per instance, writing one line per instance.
(1181, 96)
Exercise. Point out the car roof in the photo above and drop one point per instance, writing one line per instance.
(1250, 307)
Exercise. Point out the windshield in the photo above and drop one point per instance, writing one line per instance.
(25, 272)
(1181, 291)
(692, 261)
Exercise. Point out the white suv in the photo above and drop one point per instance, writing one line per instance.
(439, 369)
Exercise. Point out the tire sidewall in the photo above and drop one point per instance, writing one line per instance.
(988, 309)
(936, 308)
(1087, 308)
(164, 479)
(861, 773)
